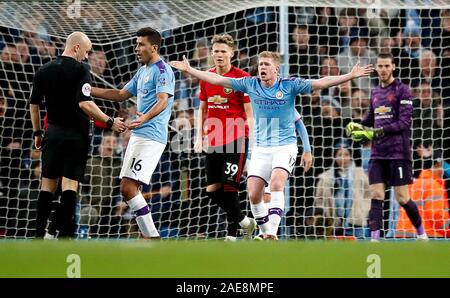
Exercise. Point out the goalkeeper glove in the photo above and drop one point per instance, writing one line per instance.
(367, 134)
(352, 126)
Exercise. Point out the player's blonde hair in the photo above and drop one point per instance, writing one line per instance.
(276, 57)
(225, 39)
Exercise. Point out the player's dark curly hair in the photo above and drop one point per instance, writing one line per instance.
(152, 35)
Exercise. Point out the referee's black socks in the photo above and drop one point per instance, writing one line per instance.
(44, 208)
(66, 222)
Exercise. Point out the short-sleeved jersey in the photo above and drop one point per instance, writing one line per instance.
(273, 108)
(62, 84)
(146, 83)
(391, 108)
(227, 106)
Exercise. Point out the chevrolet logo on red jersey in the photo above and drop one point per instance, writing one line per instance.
(382, 110)
(216, 99)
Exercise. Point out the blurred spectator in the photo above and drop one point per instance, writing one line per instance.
(408, 65)
(245, 62)
(441, 37)
(329, 67)
(23, 51)
(184, 120)
(260, 33)
(42, 48)
(342, 192)
(27, 202)
(326, 128)
(429, 70)
(360, 104)
(348, 22)
(98, 63)
(429, 193)
(303, 56)
(303, 15)
(427, 122)
(102, 78)
(387, 45)
(357, 52)
(326, 35)
(201, 54)
(161, 17)
(101, 185)
(343, 96)
(427, 116)
(11, 150)
(376, 24)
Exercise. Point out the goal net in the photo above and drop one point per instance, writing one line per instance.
(315, 40)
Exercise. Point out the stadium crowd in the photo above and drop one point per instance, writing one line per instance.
(323, 41)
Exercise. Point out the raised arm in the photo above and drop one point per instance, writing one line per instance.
(111, 94)
(330, 81)
(206, 76)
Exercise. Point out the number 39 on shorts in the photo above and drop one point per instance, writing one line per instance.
(231, 168)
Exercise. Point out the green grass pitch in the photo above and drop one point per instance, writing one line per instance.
(139, 258)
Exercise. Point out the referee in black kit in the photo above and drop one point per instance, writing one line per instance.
(65, 86)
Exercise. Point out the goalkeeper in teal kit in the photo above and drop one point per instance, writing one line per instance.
(388, 126)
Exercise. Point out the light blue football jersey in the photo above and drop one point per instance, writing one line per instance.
(273, 108)
(146, 83)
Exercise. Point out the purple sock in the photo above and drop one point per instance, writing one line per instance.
(375, 235)
(375, 215)
(414, 216)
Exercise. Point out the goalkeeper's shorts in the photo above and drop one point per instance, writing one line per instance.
(390, 172)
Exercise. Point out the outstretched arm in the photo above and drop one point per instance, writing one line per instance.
(330, 81)
(111, 94)
(206, 76)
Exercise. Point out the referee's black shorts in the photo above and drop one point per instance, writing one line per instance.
(225, 164)
(64, 153)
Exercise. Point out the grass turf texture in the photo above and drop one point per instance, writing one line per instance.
(138, 258)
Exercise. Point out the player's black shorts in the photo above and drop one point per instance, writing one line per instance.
(390, 172)
(225, 164)
(64, 153)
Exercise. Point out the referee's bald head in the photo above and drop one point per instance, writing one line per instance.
(78, 46)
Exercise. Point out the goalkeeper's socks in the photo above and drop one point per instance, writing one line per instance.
(44, 208)
(67, 208)
(261, 215)
(375, 218)
(414, 216)
(143, 216)
(275, 210)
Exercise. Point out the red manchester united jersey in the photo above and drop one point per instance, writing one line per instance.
(225, 106)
